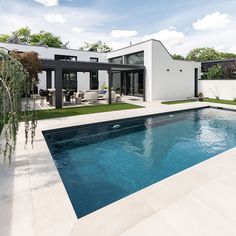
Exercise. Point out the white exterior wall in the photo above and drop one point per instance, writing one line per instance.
(160, 83)
(147, 48)
(224, 89)
(83, 79)
(173, 84)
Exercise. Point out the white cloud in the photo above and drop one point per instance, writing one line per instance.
(232, 49)
(48, 3)
(55, 18)
(212, 21)
(123, 33)
(169, 38)
(77, 29)
(20, 14)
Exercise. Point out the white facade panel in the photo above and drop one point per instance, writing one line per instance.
(166, 79)
(171, 79)
(224, 89)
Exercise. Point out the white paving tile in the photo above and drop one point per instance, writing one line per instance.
(189, 216)
(153, 225)
(219, 198)
(197, 201)
(173, 188)
(113, 219)
(17, 216)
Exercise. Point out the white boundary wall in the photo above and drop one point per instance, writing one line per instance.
(224, 89)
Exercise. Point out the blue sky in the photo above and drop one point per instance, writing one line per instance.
(180, 25)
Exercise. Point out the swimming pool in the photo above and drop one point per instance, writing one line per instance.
(102, 163)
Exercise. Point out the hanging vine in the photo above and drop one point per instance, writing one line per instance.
(13, 83)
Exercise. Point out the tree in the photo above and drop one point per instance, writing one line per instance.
(229, 70)
(214, 72)
(46, 38)
(25, 36)
(13, 82)
(31, 63)
(99, 46)
(227, 55)
(177, 57)
(206, 54)
(4, 38)
(203, 54)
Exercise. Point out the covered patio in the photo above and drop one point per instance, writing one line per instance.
(59, 66)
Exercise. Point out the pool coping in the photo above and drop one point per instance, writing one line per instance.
(44, 189)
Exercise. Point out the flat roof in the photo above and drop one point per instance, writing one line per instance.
(46, 47)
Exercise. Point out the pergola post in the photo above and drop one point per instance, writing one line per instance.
(58, 87)
(144, 86)
(109, 85)
(48, 78)
(125, 78)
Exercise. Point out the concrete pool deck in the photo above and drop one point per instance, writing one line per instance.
(197, 201)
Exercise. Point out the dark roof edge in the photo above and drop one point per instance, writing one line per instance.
(220, 60)
(52, 47)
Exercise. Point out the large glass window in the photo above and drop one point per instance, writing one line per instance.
(93, 59)
(65, 58)
(136, 58)
(116, 60)
(69, 81)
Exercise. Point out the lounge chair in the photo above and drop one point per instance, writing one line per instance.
(91, 96)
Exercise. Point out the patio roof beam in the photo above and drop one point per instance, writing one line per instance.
(87, 66)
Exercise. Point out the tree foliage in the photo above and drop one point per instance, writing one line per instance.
(31, 63)
(229, 70)
(177, 57)
(206, 54)
(214, 72)
(26, 36)
(47, 38)
(4, 38)
(99, 46)
(13, 83)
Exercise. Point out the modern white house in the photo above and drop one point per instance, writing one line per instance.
(145, 69)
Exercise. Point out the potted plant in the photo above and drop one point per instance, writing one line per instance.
(200, 97)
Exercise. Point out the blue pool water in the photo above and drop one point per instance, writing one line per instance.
(100, 164)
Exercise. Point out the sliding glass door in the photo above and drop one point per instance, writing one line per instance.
(128, 83)
(134, 84)
(69, 81)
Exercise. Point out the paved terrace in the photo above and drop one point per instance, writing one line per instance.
(197, 201)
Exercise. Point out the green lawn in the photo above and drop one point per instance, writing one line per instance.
(177, 102)
(230, 102)
(73, 111)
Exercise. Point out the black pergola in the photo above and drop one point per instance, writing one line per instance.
(83, 66)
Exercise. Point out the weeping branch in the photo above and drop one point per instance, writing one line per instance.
(14, 81)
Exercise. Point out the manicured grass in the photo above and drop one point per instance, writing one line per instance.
(73, 111)
(177, 102)
(230, 102)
